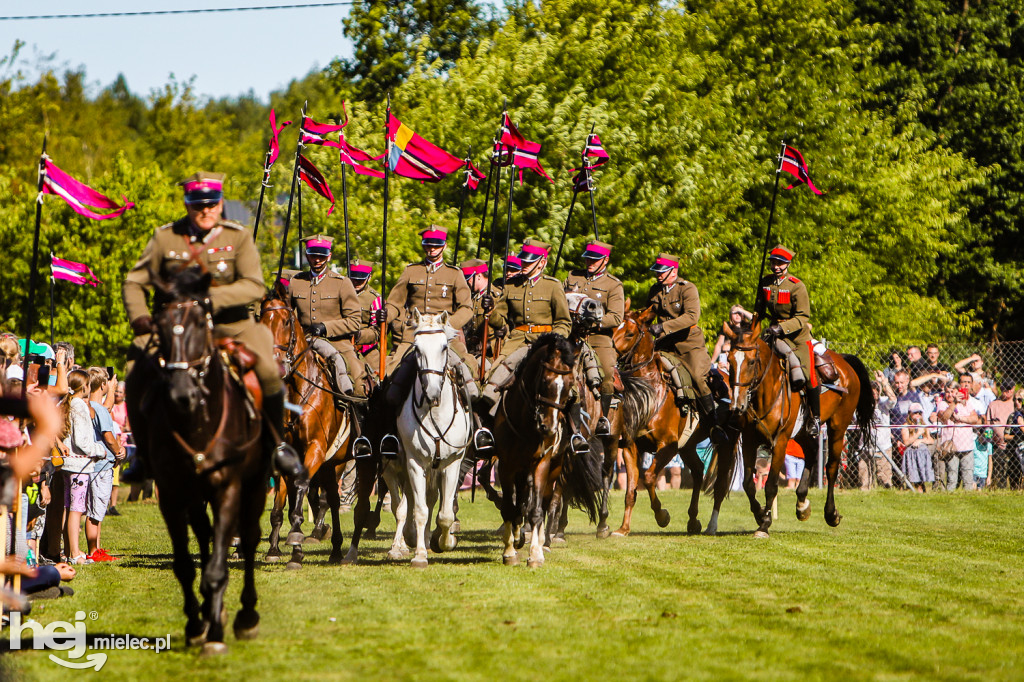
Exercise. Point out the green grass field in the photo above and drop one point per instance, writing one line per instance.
(909, 586)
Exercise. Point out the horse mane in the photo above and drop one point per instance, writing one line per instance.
(639, 402)
(551, 341)
(190, 282)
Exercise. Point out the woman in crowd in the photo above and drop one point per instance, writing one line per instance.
(83, 451)
(917, 457)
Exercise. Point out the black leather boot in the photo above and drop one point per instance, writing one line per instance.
(284, 456)
(604, 427)
(706, 406)
(813, 398)
(361, 445)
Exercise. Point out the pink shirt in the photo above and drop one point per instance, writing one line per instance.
(119, 412)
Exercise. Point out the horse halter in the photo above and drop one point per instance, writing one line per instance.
(625, 362)
(759, 374)
(420, 371)
(177, 340)
(289, 350)
(561, 407)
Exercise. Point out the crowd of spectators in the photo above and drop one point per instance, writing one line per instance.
(61, 448)
(944, 427)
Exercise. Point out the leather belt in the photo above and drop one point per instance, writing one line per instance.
(531, 328)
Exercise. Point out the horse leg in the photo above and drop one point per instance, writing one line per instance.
(523, 501)
(722, 484)
(629, 455)
(538, 505)
(200, 522)
(247, 620)
(608, 474)
(509, 512)
(214, 581)
(663, 456)
(696, 467)
(276, 520)
(771, 486)
(749, 487)
(333, 502)
(811, 457)
(319, 504)
(554, 514)
(174, 512)
(297, 498)
(417, 488)
(446, 515)
(366, 474)
(563, 522)
(835, 453)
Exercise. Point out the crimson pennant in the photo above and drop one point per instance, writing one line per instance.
(792, 162)
(525, 154)
(312, 176)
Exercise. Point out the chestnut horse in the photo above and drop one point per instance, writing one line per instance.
(767, 412)
(652, 420)
(196, 425)
(322, 432)
(537, 470)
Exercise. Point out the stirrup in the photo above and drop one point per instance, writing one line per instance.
(604, 427)
(579, 445)
(483, 439)
(389, 446)
(288, 462)
(361, 448)
(813, 427)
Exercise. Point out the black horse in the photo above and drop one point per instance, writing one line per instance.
(200, 430)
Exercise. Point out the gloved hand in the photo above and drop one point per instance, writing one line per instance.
(657, 329)
(380, 316)
(775, 330)
(318, 329)
(501, 333)
(143, 325)
(487, 303)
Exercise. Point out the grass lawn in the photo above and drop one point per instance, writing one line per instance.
(909, 586)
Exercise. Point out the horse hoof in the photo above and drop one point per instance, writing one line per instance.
(370, 534)
(557, 540)
(247, 633)
(214, 649)
(603, 532)
(834, 520)
(693, 527)
(534, 563)
(620, 533)
(662, 517)
(197, 639)
(349, 561)
(760, 534)
(419, 562)
(272, 558)
(396, 555)
(335, 559)
(510, 560)
(710, 532)
(293, 565)
(295, 538)
(247, 625)
(804, 513)
(456, 527)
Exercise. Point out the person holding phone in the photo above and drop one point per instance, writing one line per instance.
(83, 451)
(957, 449)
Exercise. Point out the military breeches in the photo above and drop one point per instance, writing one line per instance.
(606, 359)
(352, 364)
(802, 350)
(372, 361)
(455, 346)
(260, 341)
(697, 362)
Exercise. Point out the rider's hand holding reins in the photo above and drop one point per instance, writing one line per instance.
(775, 330)
(318, 329)
(487, 303)
(657, 329)
(143, 325)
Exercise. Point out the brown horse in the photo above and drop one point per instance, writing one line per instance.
(195, 424)
(538, 472)
(767, 412)
(322, 432)
(653, 421)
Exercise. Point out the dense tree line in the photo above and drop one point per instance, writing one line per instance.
(910, 123)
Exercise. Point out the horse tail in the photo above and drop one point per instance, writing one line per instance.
(711, 473)
(582, 480)
(865, 399)
(639, 402)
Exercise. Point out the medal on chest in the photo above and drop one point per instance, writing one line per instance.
(444, 291)
(222, 266)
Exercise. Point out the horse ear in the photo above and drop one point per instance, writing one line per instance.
(279, 290)
(442, 319)
(727, 330)
(628, 303)
(755, 325)
(646, 315)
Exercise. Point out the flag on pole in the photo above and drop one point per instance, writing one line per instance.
(473, 176)
(312, 176)
(316, 133)
(792, 162)
(583, 182)
(410, 156)
(595, 150)
(77, 273)
(275, 144)
(79, 196)
(354, 157)
(525, 154)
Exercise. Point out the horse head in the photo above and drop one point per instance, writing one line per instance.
(632, 339)
(553, 380)
(431, 334)
(585, 311)
(748, 361)
(277, 314)
(185, 334)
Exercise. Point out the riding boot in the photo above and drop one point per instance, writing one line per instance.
(811, 394)
(341, 377)
(488, 399)
(361, 445)
(706, 406)
(284, 456)
(677, 381)
(604, 427)
(578, 423)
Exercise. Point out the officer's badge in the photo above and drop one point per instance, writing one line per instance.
(444, 291)
(222, 266)
(678, 305)
(597, 295)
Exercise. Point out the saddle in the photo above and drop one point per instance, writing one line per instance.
(825, 367)
(242, 362)
(670, 361)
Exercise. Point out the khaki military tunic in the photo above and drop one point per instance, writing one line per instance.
(430, 288)
(530, 307)
(607, 290)
(474, 329)
(229, 253)
(785, 302)
(367, 339)
(678, 311)
(331, 300)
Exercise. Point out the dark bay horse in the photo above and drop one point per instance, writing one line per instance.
(767, 412)
(537, 470)
(653, 421)
(201, 433)
(322, 433)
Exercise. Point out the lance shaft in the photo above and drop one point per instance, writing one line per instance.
(344, 206)
(508, 219)
(30, 309)
(768, 232)
(291, 198)
(263, 190)
(384, 241)
(462, 204)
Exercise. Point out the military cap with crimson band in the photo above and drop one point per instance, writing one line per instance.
(533, 250)
(597, 250)
(781, 253)
(665, 262)
(435, 236)
(360, 269)
(318, 245)
(513, 263)
(203, 188)
(473, 266)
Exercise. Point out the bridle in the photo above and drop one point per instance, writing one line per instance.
(625, 358)
(180, 309)
(418, 401)
(760, 372)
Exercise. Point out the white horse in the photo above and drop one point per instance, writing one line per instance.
(434, 427)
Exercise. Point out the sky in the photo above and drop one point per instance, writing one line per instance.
(229, 53)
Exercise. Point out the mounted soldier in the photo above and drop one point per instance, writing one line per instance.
(227, 251)
(782, 299)
(594, 282)
(484, 295)
(430, 286)
(679, 339)
(367, 339)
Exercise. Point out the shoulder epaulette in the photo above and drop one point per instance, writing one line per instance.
(613, 277)
(794, 279)
(550, 279)
(164, 227)
(233, 225)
